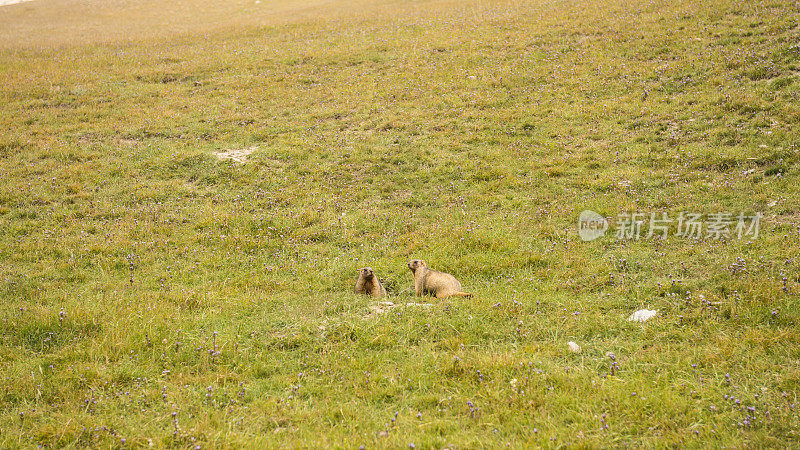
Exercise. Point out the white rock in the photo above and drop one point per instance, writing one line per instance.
(11, 2)
(642, 315)
(239, 154)
(573, 347)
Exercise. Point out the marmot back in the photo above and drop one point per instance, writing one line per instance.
(432, 282)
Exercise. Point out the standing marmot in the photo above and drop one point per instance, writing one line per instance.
(369, 284)
(432, 282)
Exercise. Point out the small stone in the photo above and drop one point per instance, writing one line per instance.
(642, 315)
(573, 347)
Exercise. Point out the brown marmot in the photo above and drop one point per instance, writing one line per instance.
(369, 284)
(432, 282)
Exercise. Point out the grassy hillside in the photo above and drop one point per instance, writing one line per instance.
(153, 294)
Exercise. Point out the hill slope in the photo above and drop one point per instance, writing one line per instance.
(154, 293)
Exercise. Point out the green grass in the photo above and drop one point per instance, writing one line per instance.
(155, 294)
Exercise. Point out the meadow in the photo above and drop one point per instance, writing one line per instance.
(154, 294)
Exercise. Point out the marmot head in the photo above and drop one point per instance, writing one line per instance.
(367, 272)
(414, 264)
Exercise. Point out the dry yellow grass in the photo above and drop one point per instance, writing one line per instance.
(54, 23)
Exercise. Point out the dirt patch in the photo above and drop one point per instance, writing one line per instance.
(129, 142)
(238, 155)
(379, 308)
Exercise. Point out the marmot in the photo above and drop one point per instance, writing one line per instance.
(369, 284)
(432, 282)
